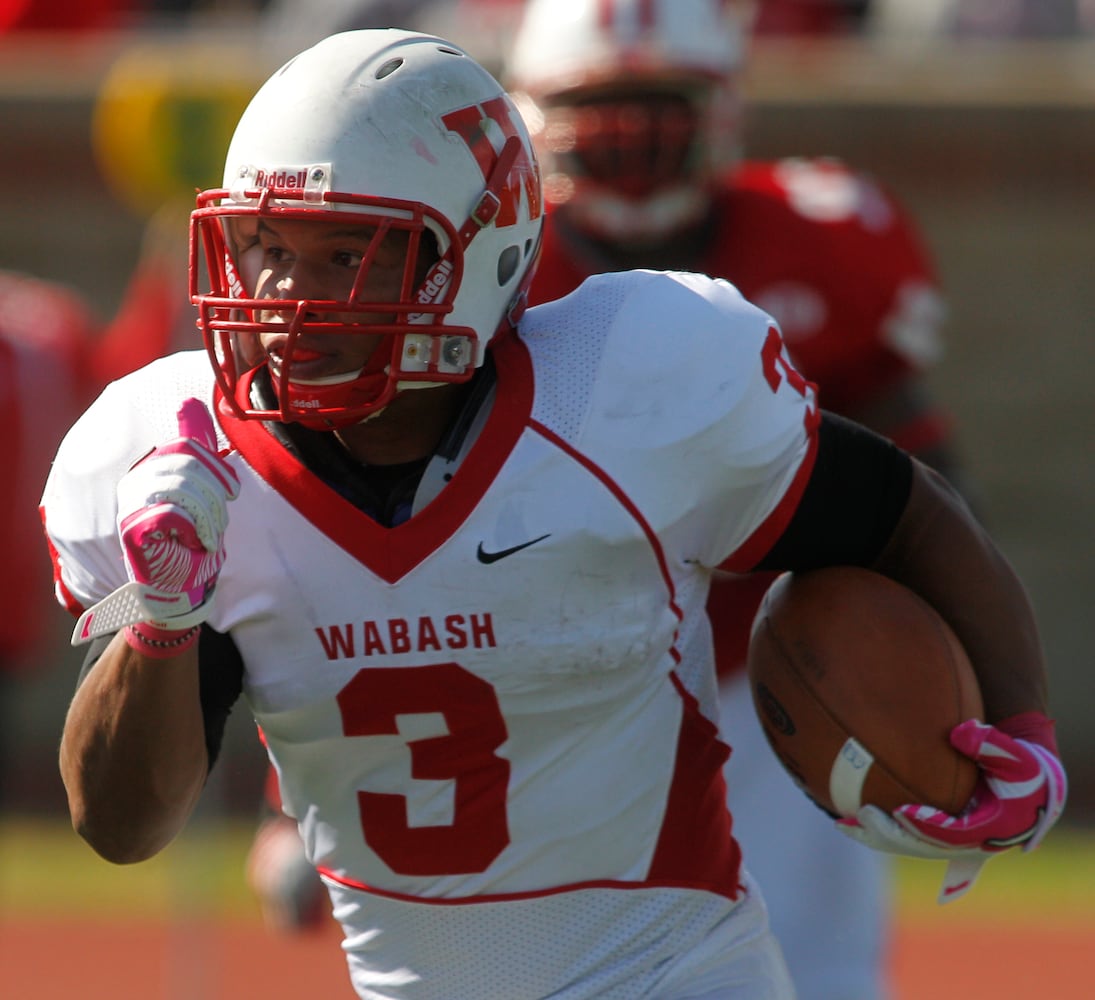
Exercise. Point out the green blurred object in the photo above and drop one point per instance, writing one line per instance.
(1053, 882)
(164, 116)
(45, 869)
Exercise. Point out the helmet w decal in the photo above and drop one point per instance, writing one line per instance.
(393, 129)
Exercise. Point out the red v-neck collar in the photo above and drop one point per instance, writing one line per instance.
(391, 553)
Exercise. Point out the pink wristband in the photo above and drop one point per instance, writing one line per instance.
(1034, 727)
(157, 643)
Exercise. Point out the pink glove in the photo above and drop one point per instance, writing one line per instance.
(1019, 796)
(172, 514)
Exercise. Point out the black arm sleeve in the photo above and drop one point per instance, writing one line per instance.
(856, 494)
(220, 670)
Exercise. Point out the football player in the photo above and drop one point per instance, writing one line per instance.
(462, 586)
(635, 109)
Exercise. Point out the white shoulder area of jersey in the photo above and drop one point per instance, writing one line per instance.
(663, 310)
(647, 345)
(671, 384)
(131, 417)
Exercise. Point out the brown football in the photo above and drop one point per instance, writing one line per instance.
(857, 682)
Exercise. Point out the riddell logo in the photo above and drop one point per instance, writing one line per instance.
(435, 282)
(283, 178)
(235, 286)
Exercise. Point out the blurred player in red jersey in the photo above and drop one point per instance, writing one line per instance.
(46, 331)
(65, 16)
(636, 111)
(809, 17)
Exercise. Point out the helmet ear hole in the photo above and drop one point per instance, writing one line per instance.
(508, 262)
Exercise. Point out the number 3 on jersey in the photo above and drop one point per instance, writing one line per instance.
(465, 755)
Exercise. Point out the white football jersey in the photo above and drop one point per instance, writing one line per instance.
(493, 722)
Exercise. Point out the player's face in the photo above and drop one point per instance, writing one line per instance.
(293, 259)
(632, 140)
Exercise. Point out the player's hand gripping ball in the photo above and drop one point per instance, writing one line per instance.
(1020, 794)
(868, 698)
(858, 683)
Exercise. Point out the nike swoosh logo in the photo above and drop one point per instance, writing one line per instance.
(490, 557)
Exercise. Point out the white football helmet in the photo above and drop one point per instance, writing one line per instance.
(400, 131)
(633, 106)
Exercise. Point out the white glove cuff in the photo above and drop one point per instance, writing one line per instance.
(137, 602)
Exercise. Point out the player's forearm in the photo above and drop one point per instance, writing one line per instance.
(133, 755)
(940, 551)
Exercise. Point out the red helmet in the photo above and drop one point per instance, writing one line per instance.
(633, 106)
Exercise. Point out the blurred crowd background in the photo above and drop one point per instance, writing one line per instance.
(978, 113)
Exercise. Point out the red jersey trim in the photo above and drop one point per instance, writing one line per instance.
(625, 502)
(694, 846)
(509, 897)
(72, 606)
(756, 546)
(391, 553)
